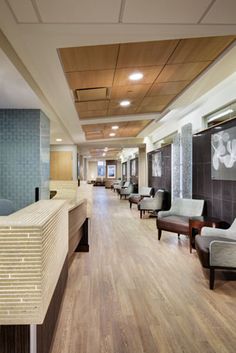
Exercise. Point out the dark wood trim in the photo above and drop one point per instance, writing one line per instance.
(15, 339)
(45, 332)
(83, 245)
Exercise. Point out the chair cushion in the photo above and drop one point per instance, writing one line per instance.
(176, 224)
(135, 199)
(202, 243)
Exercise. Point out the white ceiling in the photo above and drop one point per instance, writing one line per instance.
(37, 28)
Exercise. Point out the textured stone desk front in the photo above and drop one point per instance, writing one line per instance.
(33, 249)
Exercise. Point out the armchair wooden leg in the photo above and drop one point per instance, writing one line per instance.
(141, 214)
(159, 234)
(212, 278)
(178, 235)
(130, 204)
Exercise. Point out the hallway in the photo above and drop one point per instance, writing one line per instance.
(134, 294)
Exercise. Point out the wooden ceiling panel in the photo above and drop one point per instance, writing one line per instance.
(150, 108)
(145, 53)
(167, 88)
(126, 129)
(91, 94)
(182, 72)
(129, 92)
(92, 114)
(199, 49)
(121, 77)
(98, 57)
(99, 77)
(90, 79)
(92, 105)
(157, 100)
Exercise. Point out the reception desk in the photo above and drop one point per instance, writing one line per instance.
(36, 245)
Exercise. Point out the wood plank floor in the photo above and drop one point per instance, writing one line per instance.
(134, 294)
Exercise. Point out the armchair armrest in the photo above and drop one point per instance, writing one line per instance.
(223, 253)
(162, 214)
(209, 231)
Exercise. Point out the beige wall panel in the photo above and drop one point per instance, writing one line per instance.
(182, 72)
(90, 79)
(60, 165)
(98, 57)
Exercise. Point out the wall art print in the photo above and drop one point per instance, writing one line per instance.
(133, 167)
(156, 164)
(223, 155)
(111, 171)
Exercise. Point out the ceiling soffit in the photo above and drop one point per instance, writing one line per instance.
(99, 75)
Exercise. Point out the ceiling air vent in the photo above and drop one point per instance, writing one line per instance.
(92, 94)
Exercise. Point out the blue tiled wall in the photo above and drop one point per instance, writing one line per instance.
(24, 148)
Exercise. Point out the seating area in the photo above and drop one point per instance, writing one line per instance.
(216, 249)
(117, 176)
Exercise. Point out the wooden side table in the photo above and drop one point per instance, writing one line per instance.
(197, 223)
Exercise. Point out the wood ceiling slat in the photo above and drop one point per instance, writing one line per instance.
(121, 77)
(98, 57)
(90, 79)
(167, 88)
(168, 67)
(129, 92)
(182, 72)
(145, 53)
(91, 94)
(126, 129)
(92, 114)
(92, 105)
(199, 49)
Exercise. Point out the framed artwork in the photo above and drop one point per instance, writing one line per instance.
(111, 171)
(124, 169)
(223, 155)
(133, 167)
(156, 164)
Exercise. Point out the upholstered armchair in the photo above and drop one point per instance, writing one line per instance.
(126, 191)
(6, 207)
(176, 220)
(152, 204)
(144, 191)
(216, 249)
(118, 185)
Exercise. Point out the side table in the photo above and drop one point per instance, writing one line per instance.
(197, 223)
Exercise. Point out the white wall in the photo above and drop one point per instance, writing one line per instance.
(68, 148)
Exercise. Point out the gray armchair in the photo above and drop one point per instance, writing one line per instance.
(152, 204)
(126, 191)
(176, 220)
(144, 191)
(216, 249)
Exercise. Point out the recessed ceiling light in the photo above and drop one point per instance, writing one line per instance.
(106, 149)
(103, 154)
(125, 103)
(136, 76)
(112, 134)
(115, 127)
(58, 140)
